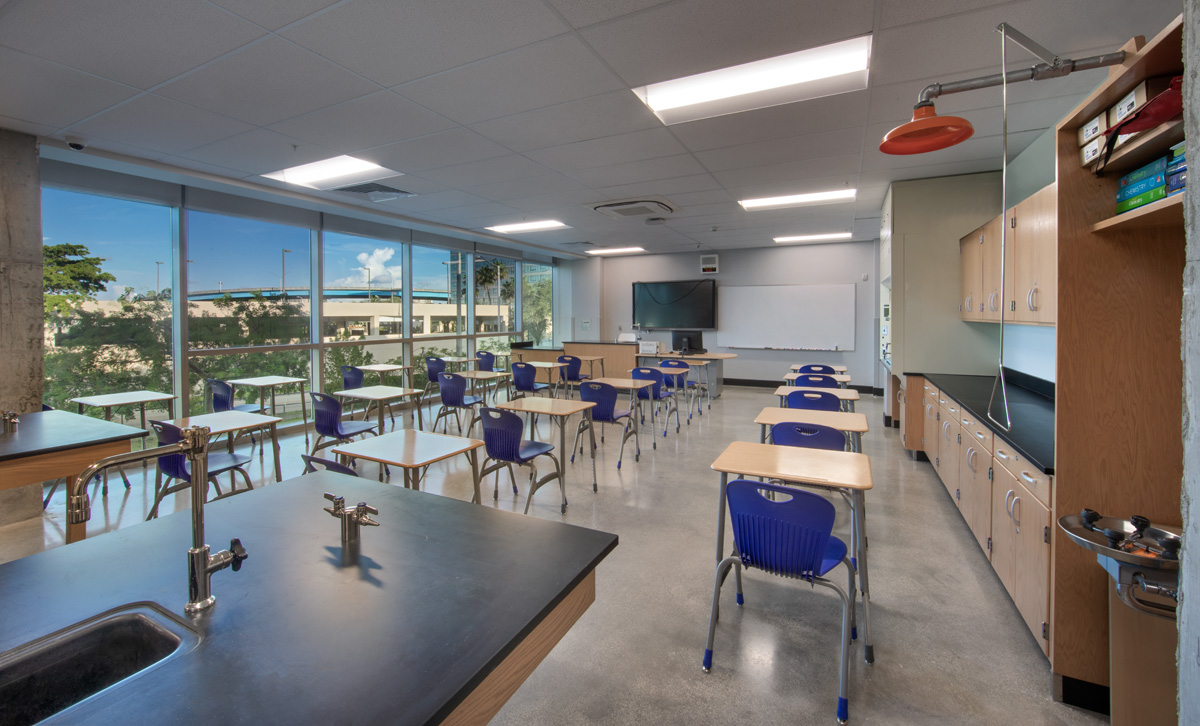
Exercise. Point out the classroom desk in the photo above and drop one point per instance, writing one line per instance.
(410, 450)
(385, 368)
(231, 422)
(109, 401)
(844, 471)
(551, 379)
(712, 369)
(841, 378)
(635, 404)
(484, 376)
(847, 395)
(837, 368)
(560, 409)
(271, 383)
(381, 395)
(462, 361)
(854, 424)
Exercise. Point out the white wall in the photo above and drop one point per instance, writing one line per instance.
(782, 265)
(1030, 349)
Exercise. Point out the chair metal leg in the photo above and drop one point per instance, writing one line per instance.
(843, 706)
(722, 568)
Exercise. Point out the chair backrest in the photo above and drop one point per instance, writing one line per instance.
(434, 367)
(814, 401)
(327, 415)
(312, 464)
(487, 361)
(351, 377)
(814, 380)
(648, 374)
(571, 372)
(817, 368)
(601, 394)
(672, 380)
(453, 388)
(173, 465)
(786, 536)
(524, 376)
(222, 395)
(501, 433)
(809, 436)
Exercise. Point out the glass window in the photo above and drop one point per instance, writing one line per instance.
(360, 355)
(226, 367)
(537, 303)
(439, 305)
(495, 294)
(362, 299)
(248, 282)
(107, 281)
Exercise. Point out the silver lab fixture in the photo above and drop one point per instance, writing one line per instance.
(352, 519)
(201, 565)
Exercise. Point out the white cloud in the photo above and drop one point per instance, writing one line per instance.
(382, 275)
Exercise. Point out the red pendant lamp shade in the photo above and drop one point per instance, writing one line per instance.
(926, 132)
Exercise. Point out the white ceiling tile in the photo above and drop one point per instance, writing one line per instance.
(661, 187)
(709, 196)
(589, 118)
(549, 204)
(635, 146)
(394, 41)
(161, 124)
(776, 122)
(259, 152)
(267, 82)
(546, 184)
(40, 92)
(664, 167)
(193, 164)
(551, 72)
(488, 171)
(903, 12)
(693, 36)
(274, 14)
(118, 147)
(413, 184)
(137, 42)
(791, 171)
(490, 210)
(25, 127)
(372, 120)
(777, 151)
(447, 148)
(580, 13)
(757, 189)
(436, 201)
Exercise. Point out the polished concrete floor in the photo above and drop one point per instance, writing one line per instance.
(950, 647)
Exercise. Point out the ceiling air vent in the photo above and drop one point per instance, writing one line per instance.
(375, 192)
(643, 207)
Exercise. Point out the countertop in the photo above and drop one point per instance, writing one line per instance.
(1032, 433)
(45, 432)
(439, 595)
(595, 342)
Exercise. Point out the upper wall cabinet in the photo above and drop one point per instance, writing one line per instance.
(970, 251)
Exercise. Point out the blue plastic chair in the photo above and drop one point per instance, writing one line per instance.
(485, 361)
(524, 379)
(817, 368)
(455, 399)
(571, 373)
(604, 412)
(177, 467)
(656, 394)
(814, 380)
(312, 464)
(789, 537)
(809, 436)
(434, 367)
(682, 381)
(327, 420)
(504, 446)
(814, 401)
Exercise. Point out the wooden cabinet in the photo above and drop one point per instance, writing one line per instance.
(1021, 551)
(975, 489)
(991, 297)
(929, 439)
(947, 458)
(1034, 297)
(970, 251)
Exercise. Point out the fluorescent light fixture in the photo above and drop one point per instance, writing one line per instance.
(335, 172)
(528, 226)
(831, 69)
(798, 200)
(814, 237)
(615, 251)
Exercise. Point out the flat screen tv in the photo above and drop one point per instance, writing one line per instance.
(690, 304)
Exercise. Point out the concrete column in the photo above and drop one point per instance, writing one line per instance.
(1189, 599)
(21, 321)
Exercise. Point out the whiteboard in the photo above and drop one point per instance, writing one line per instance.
(786, 317)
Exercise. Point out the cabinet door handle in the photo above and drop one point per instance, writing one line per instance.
(979, 435)
(1008, 502)
(992, 302)
(968, 303)
(1029, 299)
(971, 458)
(1001, 454)
(1033, 299)
(1016, 518)
(1028, 479)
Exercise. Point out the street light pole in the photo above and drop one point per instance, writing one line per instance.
(283, 273)
(157, 281)
(368, 269)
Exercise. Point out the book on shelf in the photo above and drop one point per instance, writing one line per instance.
(1157, 166)
(1141, 200)
(1141, 187)
(1177, 149)
(1176, 181)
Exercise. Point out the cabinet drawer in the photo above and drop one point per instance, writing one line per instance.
(1039, 484)
(976, 432)
(932, 390)
(950, 409)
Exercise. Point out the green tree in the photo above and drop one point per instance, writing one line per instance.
(537, 307)
(71, 277)
(348, 355)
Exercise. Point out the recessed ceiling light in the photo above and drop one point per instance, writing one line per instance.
(825, 71)
(814, 237)
(796, 200)
(615, 251)
(339, 168)
(528, 226)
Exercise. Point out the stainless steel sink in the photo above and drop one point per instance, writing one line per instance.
(61, 670)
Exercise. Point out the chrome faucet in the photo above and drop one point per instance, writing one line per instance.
(352, 519)
(201, 565)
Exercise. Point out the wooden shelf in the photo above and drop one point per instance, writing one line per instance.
(1163, 213)
(1144, 149)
